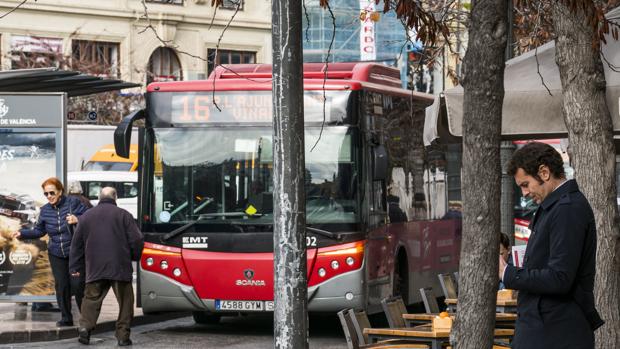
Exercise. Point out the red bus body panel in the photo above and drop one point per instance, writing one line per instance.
(214, 275)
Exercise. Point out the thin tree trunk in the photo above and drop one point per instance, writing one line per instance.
(590, 137)
(290, 282)
(483, 81)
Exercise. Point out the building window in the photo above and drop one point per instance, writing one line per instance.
(164, 65)
(95, 57)
(230, 57)
(35, 52)
(232, 4)
(172, 2)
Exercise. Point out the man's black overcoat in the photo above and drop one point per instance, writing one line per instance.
(556, 300)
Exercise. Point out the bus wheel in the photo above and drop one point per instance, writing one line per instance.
(205, 318)
(401, 278)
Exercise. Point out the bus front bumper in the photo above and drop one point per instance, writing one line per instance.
(160, 293)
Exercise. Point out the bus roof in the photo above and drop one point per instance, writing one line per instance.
(258, 77)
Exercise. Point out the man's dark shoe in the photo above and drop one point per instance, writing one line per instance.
(84, 336)
(63, 323)
(125, 342)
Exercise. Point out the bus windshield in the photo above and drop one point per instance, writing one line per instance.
(220, 174)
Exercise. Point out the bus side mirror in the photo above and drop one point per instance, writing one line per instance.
(122, 134)
(379, 163)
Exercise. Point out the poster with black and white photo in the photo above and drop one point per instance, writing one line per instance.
(26, 160)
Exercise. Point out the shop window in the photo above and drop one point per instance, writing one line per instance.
(171, 2)
(230, 57)
(35, 52)
(232, 4)
(164, 65)
(95, 57)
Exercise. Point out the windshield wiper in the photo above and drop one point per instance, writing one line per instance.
(203, 216)
(228, 214)
(181, 229)
(325, 233)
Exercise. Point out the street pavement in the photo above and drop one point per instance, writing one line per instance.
(18, 324)
(240, 332)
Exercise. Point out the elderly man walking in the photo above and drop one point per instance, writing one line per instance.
(106, 241)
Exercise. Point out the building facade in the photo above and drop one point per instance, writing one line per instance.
(128, 38)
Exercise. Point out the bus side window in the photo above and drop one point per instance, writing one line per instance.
(93, 190)
(379, 202)
(377, 209)
(130, 190)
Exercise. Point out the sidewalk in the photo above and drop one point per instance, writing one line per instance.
(19, 325)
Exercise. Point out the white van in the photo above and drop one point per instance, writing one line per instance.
(125, 182)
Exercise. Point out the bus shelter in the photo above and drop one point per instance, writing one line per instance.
(33, 138)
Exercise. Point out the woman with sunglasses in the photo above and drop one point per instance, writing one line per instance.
(54, 220)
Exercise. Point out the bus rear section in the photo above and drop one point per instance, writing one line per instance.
(206, 204)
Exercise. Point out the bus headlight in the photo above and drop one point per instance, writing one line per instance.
(176, 272)
(149, 261)
(164, 265)
(335, 265)
(322, 272)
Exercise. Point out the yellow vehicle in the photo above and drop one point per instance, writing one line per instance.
(106, 159)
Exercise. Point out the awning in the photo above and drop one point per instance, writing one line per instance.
(73, 83)
(530, 111)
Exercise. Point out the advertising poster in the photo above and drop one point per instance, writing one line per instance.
(26, 159)
(31, 150)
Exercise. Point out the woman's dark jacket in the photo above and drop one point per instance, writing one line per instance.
(53, 222)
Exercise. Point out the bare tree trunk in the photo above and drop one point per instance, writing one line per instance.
(290, 280)
(593, 156)
(483, 81)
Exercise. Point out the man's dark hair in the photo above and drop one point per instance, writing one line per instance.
(504, 240)
(532, 156)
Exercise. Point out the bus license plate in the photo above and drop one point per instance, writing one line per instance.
(243, 305)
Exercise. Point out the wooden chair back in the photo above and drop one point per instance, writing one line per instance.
(360, 321)
(448, 285)
(348, 329)
(430, 300)
(394, 308)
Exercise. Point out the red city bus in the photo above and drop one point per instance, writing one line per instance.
(377, 210)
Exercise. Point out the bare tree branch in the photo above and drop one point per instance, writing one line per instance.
(307, 20)
(15, 8)
(329, 50)
(217, 48)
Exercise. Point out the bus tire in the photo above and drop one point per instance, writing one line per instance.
(204, 318)
(400, 286)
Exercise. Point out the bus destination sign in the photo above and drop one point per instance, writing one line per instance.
(203, 108)
(185, 108)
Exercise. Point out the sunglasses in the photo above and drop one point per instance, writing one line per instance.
(49, 193)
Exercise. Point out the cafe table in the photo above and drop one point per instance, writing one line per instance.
(423, 334)
(503, 305)
(502, 320)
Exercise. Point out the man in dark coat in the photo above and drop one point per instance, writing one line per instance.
(106, 241)
(556, 300)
